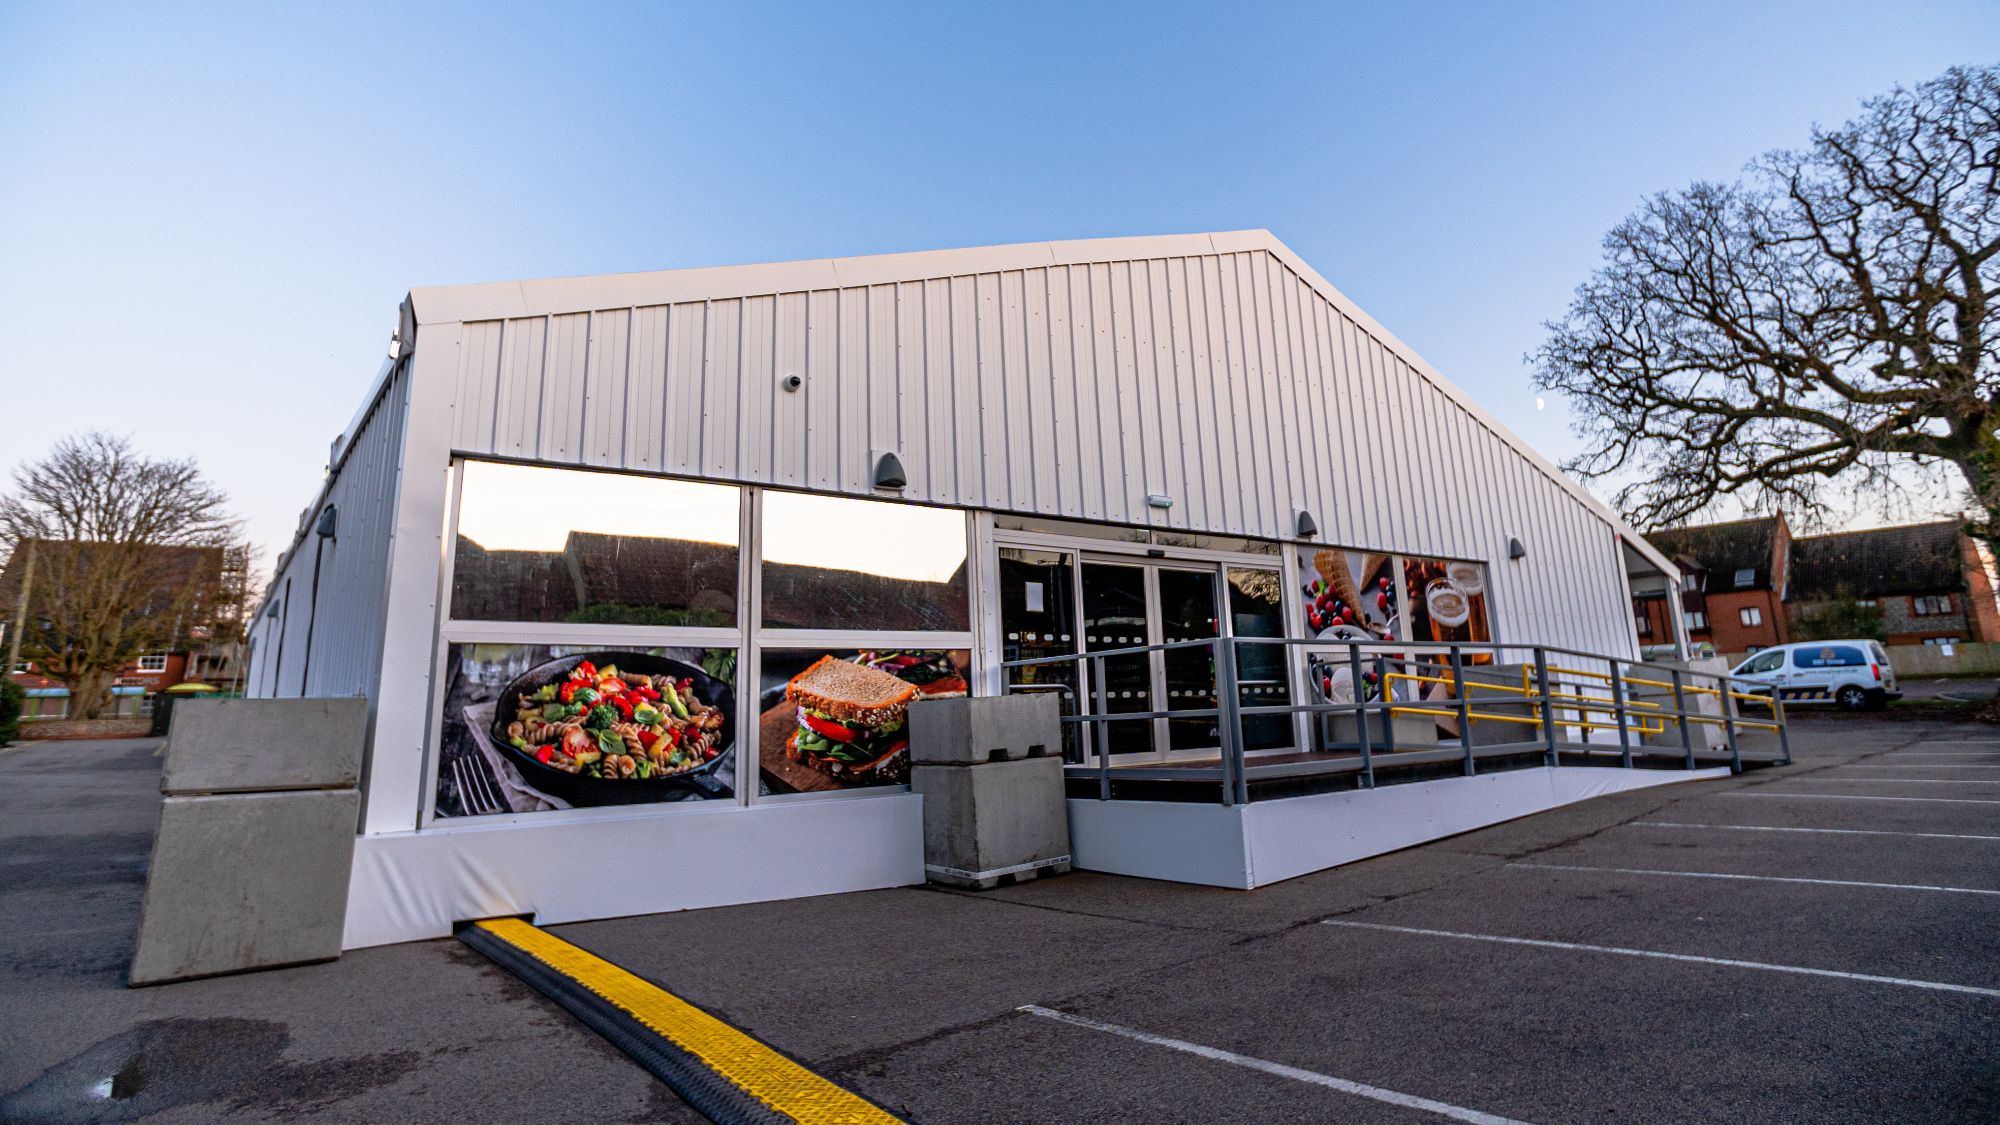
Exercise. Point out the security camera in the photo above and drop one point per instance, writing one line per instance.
(793, 382)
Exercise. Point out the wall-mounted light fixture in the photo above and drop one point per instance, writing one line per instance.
(889, 472)
(1308, 527)
(327, 522)
(1157, 500)
(1515, 550)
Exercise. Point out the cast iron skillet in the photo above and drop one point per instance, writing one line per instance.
(579, 789)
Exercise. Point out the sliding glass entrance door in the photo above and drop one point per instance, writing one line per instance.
(1127, 601)
(1130, 604)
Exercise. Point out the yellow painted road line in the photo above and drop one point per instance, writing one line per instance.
(743, 1061)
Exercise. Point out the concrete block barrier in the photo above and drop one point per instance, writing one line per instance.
(958, 732)
(256, 837)
(994, 823)
(260, 745)
(246, 881)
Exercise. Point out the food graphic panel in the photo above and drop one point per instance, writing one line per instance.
(840, 719)
(539, 728)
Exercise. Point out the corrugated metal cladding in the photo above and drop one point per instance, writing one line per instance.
(1225, 380)
(353, 566)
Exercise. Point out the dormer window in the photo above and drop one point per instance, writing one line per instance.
(1746, 577)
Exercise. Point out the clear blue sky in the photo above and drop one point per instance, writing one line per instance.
(209, 213)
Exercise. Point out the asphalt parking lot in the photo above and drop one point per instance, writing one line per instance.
(1816, 942)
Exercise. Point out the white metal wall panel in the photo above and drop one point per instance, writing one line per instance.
(1069, 388)
(332, 650)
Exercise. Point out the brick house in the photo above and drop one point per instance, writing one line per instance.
(1930, 581)
(1733, 584)
(205, 646)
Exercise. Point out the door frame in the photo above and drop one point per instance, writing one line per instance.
(1282, 559)
(1150, 567)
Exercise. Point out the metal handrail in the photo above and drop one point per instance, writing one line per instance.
(1553, 698)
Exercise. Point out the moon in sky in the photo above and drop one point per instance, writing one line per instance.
(1539, 404)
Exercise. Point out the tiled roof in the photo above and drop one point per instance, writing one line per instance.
(177, 567)
(1723, 549)
(1919, 558)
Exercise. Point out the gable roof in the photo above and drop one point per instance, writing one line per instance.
(1724, 550)
(1884, 561)
(514, 300)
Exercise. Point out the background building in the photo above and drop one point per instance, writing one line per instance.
(1928, 583)
(1733, 585)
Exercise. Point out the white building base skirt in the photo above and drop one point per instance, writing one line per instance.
(1253, 845)
(408, 886)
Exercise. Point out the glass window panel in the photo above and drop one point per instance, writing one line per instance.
(1037, 620)
(1256, 610)
(836, 563)
(1114, 617)
(835, 719)
(1187, 613)
(493, 696)
(542, 544)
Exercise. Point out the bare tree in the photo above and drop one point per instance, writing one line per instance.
(1821, 324)
(128, 557)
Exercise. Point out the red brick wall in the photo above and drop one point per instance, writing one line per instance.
(1726, 630)
(1653, 610)
(1983, 616)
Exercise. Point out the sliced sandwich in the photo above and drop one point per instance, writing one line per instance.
(853, 722)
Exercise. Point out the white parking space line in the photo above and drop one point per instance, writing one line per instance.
(1919, 765)
(1297, 1074)
(1994, 742)
(1857, 797)
(1759, 878)
(1901, 780)
(1540, 943)
(1829, 831)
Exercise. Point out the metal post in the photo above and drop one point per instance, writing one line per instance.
(1464, 706)
(1784, 738)
(1680, 711)
(1361, 717)
(1234, 789)
(1094, 728)
(1619, 716)
(1729, 723)
(1548, 708)
(1388, 705)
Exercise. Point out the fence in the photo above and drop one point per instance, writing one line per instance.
(1379, 707)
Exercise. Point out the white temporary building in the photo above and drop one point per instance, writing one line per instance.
(932, 464)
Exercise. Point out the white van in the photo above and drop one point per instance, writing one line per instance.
(1854, 674)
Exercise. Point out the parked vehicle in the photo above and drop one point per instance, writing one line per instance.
(1852, 673)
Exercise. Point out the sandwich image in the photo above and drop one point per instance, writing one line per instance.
(853, 722)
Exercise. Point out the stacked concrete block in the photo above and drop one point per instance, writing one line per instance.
(990, 772)
(256, 837)
(1516, 717)
(1702, 736)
